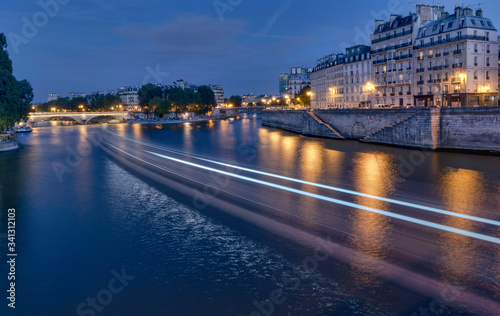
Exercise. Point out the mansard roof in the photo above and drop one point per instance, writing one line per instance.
(398, 22)
(454, 23)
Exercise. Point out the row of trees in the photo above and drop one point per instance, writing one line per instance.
(97, 103)
(15, 96)
(160, 101)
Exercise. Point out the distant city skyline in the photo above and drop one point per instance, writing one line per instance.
(91, 46)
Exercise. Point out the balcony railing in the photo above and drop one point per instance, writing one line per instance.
(420, 82)
(420, 70)
(401, 57)
(459, 65)
(457, 52)
(385, 38)
(452, 40)
(392, 47)
(376, 62)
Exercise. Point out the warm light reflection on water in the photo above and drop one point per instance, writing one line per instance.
(289, 150)
(462, 191)
(137, 131)
(373, 174)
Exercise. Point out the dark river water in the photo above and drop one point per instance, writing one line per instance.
(136, 220)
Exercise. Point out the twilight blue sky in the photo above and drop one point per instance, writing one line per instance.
(91, 45)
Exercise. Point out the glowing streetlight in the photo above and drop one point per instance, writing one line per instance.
(310, 94)
(370, 86)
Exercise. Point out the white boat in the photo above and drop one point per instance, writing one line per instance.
(24, 129)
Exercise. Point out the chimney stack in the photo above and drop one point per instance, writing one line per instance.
(479, 13)
(458, 12)
(378, 23)
(445, 15)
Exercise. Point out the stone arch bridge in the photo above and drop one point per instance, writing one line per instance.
(80, 117)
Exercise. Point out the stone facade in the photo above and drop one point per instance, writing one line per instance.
(472, 129)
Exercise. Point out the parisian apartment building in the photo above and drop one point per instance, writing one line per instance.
(296, 80)
(428, 58)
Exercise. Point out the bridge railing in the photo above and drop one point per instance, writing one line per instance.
(77, 113)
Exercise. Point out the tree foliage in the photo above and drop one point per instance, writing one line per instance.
(15, 96)
(303, 97)
(236, 101)
(108, 102)
(160, 106)
(148, 92)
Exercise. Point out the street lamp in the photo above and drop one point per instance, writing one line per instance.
(370, 87)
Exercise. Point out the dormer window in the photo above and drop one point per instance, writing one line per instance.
(482, 22)
(473, 22)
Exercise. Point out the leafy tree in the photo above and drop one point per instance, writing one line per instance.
(236, 101)
(74, 104)
(207, 96)
(15, 97)
(178, 99)
(108, 102)
(148, 92)
(303, 97)
(161, 107)
(27, 96)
